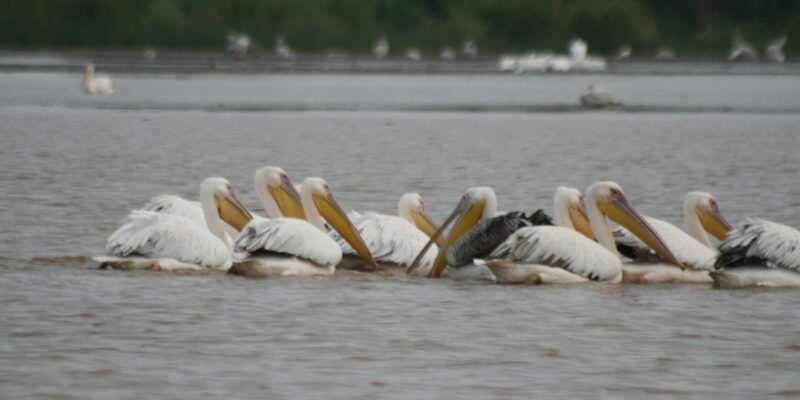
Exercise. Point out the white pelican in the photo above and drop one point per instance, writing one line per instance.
(693, 250)
(624, 52)
(741, 49)
(470, 50)
(568, 211)
(171, 242)
(273, 187)
(413, 54)
(96, 84)
(758, 253)
(292, 246)
(578, 49)
(381, 48)
(394, 240)
(282, 50)
(238, 44)
(598, 98)
(555, 254)
(774, 51)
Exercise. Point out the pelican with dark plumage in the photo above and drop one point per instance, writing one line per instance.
(475, 234)
(758, 253)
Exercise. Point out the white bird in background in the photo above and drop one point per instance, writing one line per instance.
(282, 49)
(292, 246)
(238, 44)
(693, 250)
(555, 254)
(598, 98)
(665, 54)
(578, 49)
(394, 240)
(741, 49)
(413, 54)
(624, 52)
(470, 50)
(153, 240)
(774, 51)
(381, 48)
(758, 253)
(447, 54)
(96, 84)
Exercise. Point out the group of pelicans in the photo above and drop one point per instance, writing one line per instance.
(305, 232)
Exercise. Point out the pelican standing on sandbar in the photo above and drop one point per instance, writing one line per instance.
(555, 254)
(693, 249)
(153, 240)
(292, 246)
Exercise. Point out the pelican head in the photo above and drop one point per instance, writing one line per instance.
(228, 206)
(609, 199)
(476, 204)
(412, 209)
(319, 204)
(282, 198)
(569, 209)
(707, 210)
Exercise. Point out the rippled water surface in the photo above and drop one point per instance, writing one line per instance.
(71, 166)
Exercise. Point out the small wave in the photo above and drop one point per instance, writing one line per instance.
(66, 261)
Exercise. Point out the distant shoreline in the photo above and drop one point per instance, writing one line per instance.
(206, 62)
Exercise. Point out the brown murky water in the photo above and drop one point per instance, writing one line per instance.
(71, 166)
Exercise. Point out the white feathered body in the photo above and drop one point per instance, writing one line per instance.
(390, 238)
(98, 84)
(150, 238)
(176, 205)
(759, 253)
(553, 254)
(285, 246)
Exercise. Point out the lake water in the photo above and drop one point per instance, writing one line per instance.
(71, 166)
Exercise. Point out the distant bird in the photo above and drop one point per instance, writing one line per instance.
(470, 50)
(381, 48)
(624, 52)
(741, 49)
(238, 44)
(413, 54)
(447, 54)
(578, 49)
(149, 54)
(665, 53)
(282, 50)
(96, 84)
(598, 98)
(774, 51)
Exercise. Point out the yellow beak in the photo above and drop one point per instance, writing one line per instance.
(581, 222)
(468, 213)
(621, 212)
(424, 223)
(333, 214)
(714, 223)
(288, 200)
(232, 211)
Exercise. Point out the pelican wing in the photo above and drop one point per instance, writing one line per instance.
(757, 241)
(176, 205)
(487, 234)
(288, 236)
(155, 235)
(686, 249)
(560, 247)
(389, 238)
